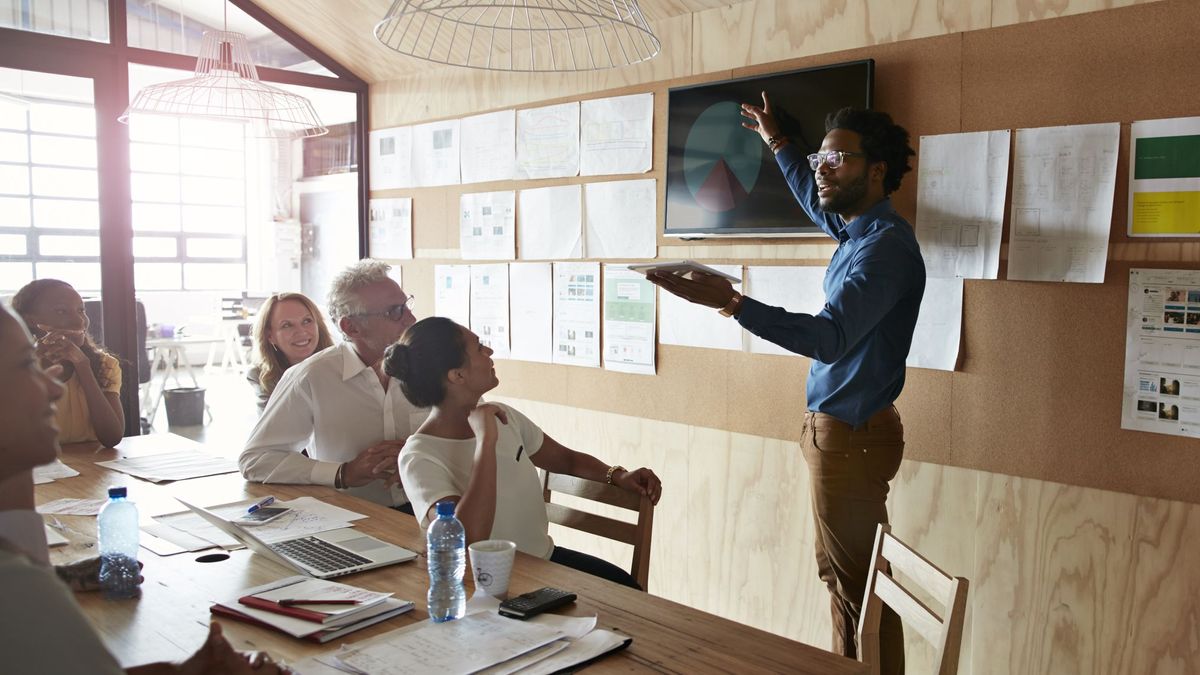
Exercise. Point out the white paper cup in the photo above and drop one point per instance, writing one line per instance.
(491, 566)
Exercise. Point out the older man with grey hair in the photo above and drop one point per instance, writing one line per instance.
(338, 403)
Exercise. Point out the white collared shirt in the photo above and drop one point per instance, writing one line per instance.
(333, 405)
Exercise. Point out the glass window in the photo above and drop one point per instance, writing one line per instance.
(153, 128)
(207, 133)
(156, 247)
(157, 276)
(71, 214)
(63, 150)
(214, 276)
(214, 248)
(226, 191)
(14, 179)
(84, 276)
(13, 244)
(14, 275)
(155, 217)
(14, 147)
(14, 114)
(214, 219)
(154, 157)
(14, 212)
(177, 27)
(212, 162)
(68, 245)
(79, 120)
(84, 19)
(53, 182)
(155, 187)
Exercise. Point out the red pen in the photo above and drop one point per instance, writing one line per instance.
(291, 602)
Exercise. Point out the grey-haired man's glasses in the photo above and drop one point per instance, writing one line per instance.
(395, 312)
(833, 158)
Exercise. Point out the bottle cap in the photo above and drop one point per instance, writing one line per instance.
(116, 492)
(443, 508)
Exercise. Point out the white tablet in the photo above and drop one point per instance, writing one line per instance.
(681, 267)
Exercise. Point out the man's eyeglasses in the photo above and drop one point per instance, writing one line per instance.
(395, 312)
(833, 158)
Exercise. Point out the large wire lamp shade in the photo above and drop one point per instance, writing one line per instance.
(520, 35)
(226, 86)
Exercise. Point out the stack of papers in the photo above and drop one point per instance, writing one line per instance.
(482, 642)
(51, 472)
(187, 531)
(316, 622)
(169, 466)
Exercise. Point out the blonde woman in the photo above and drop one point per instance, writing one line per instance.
(290, 328)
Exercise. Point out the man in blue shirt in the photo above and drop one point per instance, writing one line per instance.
(852, 437)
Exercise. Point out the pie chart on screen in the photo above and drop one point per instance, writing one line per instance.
(721, 159)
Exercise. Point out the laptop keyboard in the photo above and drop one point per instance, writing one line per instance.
(319, 554)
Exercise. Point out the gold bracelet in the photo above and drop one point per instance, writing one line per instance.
(611, 470)
(339, 481)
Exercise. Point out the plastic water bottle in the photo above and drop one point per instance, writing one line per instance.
(447, 550)
(118, 526)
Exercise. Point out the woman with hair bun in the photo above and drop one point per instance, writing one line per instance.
(485, 456)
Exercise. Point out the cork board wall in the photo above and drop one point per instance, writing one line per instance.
(1038, 389)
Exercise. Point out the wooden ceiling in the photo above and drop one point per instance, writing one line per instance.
(343, 29)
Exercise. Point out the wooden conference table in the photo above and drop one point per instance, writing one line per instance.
(170, 620)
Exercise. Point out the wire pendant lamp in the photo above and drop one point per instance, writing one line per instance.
(226, 87)
(520, 35)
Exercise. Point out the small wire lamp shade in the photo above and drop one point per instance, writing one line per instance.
(520, 35)
(226, 86)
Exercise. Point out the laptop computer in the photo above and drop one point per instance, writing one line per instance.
(323, 555)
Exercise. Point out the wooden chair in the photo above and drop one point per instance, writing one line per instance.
(637, 535)
(944, 632)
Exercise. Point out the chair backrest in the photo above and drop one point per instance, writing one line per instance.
(637, 535)
(943, 631)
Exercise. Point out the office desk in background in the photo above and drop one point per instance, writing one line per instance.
(170, 620)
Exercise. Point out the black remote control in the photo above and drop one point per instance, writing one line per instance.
(535, 602)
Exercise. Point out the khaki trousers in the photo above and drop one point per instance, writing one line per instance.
(850, 469)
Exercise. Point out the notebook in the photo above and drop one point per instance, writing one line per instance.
(323, 555)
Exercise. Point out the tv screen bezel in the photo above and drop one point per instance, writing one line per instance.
(801, 231)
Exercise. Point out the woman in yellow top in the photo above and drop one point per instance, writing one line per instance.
(90, 408)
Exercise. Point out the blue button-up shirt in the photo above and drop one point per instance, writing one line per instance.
(873, 290)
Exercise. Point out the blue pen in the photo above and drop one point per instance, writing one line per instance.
(265, 501)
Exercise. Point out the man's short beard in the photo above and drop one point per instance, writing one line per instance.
(848, 196)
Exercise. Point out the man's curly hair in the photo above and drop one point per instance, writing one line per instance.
(882, 139)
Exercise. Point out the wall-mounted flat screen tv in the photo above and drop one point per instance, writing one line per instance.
(722, 180)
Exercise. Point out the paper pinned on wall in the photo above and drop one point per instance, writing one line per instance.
(616, 135)
(390, 229)
(548, 141)
(391, 158)
(487, 226)
(690, 325)
(550, 226)
(531, 308)
(435, 154)
(452, 293)
(1164, 178)
(622, 219)
(939, 325)
(577, 313)
(961, 184)
(489, 147)
(1064, 179)
(489, 306)
(1162, 352)
(628, 321)
(796, 289)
